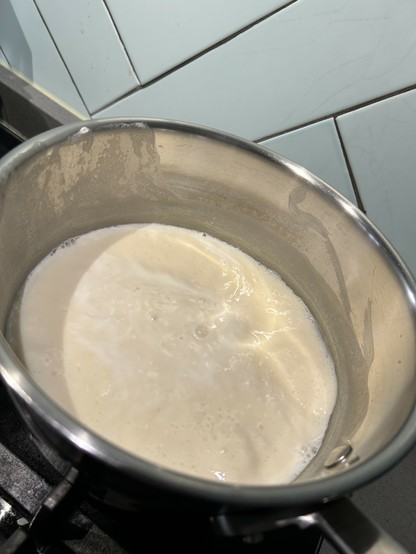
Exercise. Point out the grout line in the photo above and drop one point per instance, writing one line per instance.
(339, 113)
(375, 100)
(118, 99)
(294, 128)
(194, 57)
(122, 43)
(217, 44)
(360, 203)
(60, 55)
(5, 57)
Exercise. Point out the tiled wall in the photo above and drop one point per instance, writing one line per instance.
(330, 84)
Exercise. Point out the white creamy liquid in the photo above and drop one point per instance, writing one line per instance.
(180, 349)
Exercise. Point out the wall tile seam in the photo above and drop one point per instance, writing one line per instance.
(60, 56)
(4, 56)
(339, 113)
(186, 62)
(126, 53)
(123, 96)
(335, 115)
(348, 165)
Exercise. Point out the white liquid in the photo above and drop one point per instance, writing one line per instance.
(180, 349)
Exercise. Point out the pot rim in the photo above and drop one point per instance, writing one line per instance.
(92, 445)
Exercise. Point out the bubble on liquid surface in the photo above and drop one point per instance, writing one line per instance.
(201, 331)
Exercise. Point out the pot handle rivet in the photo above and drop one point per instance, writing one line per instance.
(339, 455)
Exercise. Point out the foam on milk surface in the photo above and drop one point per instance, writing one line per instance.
(180, 349)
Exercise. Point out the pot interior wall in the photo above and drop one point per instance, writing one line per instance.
(272, 209)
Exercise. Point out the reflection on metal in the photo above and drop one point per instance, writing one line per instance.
(26, 110)
(348, 529)
(5, 509)
(338, 456)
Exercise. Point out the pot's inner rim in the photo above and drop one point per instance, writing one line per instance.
(305, 230)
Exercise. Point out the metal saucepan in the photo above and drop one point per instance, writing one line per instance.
(92, 174)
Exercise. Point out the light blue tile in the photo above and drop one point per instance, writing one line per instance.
(308, 61)
(380, 142)
(161, 34)
(91, 49)
(317, 148)
(29, 49)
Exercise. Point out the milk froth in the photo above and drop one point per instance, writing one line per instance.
(180, 349)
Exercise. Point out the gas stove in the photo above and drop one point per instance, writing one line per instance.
(43, 510)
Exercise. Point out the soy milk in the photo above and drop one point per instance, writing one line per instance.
(180, 349)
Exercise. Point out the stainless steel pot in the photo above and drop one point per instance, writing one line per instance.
(93, 174)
